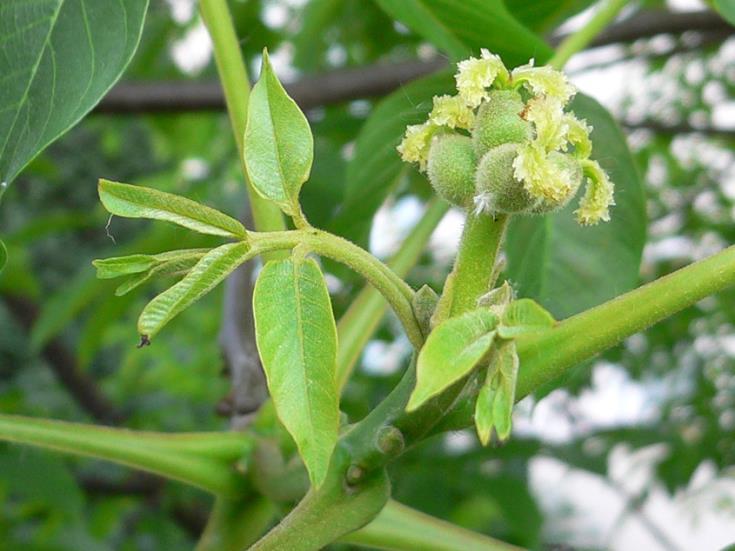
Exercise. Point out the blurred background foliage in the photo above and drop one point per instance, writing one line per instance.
(67, 345)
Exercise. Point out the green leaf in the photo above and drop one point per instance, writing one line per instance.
(142, 202)
(58, 59)
(297, 341)
(376, 168)
(524, 316)
(461, 27)
(568, 268)
(451, 351)
(175, 266)
(494, 406)
(203, 277)
(109, 268)
(278, 146)
(726, 9)
(544, 15)
(3, 256)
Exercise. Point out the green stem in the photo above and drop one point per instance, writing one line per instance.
(205, 461)
(235, 524)
(475, 263)
(362, 318)
(234, 78)
(545, 356)
(579, 39)
(396, 291)
(401, 528)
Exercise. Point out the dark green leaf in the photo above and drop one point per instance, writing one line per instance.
(59, 57)
(3, 256)
(297, 341)
(543, 15)
(461, 27)
(279, 147)
(203, 277)
(142, 202)
(569, 268)
(451, 351)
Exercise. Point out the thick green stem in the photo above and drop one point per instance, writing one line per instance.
(235, 524)
(206, 461)
(362, 318)
(581, 38)
(234, 78)
(396, 291)
(547, 355)
(475, 263)
(401, 528)
(329, 512)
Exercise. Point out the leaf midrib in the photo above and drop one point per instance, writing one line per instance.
(32, 77)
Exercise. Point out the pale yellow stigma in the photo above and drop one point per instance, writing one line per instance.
(453, 112)
(541, 178)
(414, 148)
(547, 116)
(598, 197)
(545, 81)
(475, 76)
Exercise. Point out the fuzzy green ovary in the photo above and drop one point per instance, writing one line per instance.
(499, 122)
(451, 168)
(497, 189)
(568, 164)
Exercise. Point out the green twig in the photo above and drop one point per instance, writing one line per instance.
(361, 319)
(579, 39)
(396, 291)
(202, 460)
(401, 528)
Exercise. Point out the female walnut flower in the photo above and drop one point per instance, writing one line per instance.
(505, 144)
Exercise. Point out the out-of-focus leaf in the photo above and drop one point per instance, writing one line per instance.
(297, 341)
(376, 167)
(462, 27)
(3, 256)
(142, 202)
(543, 15)
(451, 351)
(205, 275)
(726, 8)
(58, 59)
(279, 147)
(568, 268)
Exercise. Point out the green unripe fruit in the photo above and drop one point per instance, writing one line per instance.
(563, 163)
(497, 189)
(499, 122)
(451, 168)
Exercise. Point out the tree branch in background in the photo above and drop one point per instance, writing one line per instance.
(237, 342)
(64, 366)
(379, 79)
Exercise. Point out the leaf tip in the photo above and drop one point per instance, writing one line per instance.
(144, 341)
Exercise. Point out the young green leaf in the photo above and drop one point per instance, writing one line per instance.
(278, 146)
(453, 348)
(58, 60)
(494, 406)
(297, 341)
(109, 268)
(524, 316)
(212, 268)
(142, 202)
(179, 265)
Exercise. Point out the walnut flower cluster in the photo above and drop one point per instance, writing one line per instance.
(505, 144)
